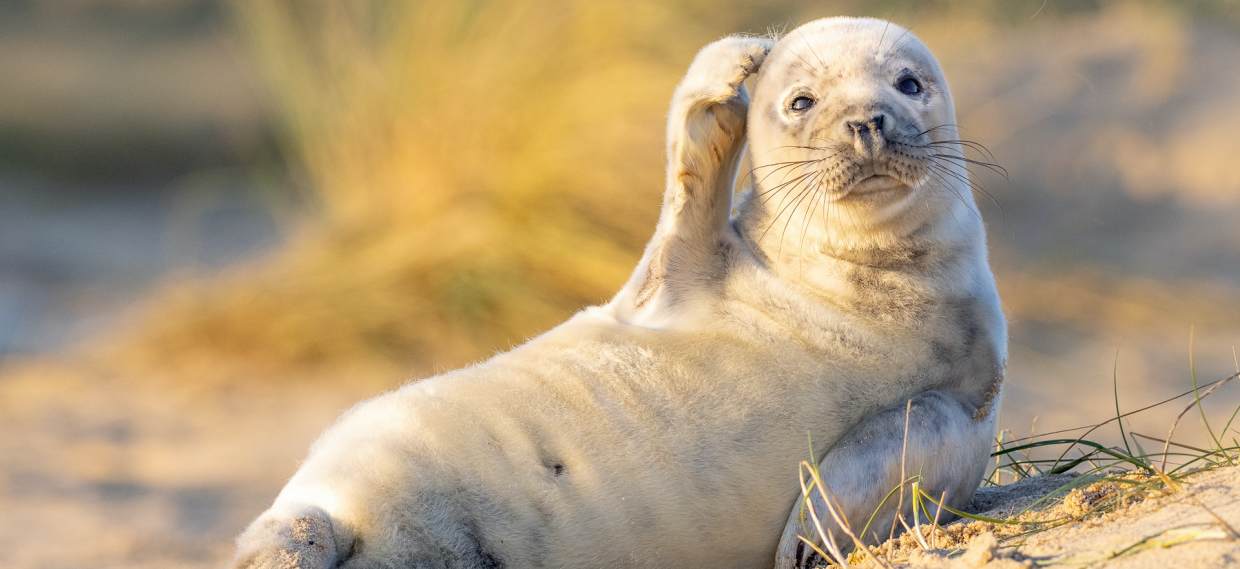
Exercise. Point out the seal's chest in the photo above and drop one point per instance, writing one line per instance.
(964, 348)
(936, 342)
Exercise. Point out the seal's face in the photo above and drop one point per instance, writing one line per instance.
(858, 111)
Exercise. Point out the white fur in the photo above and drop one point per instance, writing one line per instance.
(664, 428)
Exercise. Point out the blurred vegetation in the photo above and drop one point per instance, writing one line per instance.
(480, 170)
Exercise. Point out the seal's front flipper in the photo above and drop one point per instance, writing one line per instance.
(947, 449)
(705, 134)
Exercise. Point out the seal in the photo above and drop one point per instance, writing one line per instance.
(664, 428)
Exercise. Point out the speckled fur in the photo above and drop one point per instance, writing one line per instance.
(664, 428)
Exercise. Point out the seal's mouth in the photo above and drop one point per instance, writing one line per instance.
(876, 184)
(875, 179)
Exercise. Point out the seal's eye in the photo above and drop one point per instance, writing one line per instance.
(909, 85)
(801, 104)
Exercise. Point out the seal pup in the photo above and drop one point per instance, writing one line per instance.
(663, 429)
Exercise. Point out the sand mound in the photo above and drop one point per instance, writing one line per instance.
(1193, 526)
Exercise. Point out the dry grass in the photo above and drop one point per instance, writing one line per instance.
(471, 182)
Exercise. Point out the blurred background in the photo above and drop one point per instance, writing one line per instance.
(223, 223)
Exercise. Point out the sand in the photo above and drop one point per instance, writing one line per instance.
(1191, 527)
(104, 472)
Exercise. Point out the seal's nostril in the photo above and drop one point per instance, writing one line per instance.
(875, 123)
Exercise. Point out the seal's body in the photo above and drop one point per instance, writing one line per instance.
(664, 428)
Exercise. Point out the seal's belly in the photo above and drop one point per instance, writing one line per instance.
(675, 450)
(692, 458)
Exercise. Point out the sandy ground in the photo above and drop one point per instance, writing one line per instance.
(1177, 530)
(1192, 527)
(99, 471)
(103, 471)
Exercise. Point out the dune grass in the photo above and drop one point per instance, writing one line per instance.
(468, 179)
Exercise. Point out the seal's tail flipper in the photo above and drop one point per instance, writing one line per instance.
(290, 538)
(705, 135)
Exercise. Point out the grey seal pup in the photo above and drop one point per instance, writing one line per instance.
(664, 428)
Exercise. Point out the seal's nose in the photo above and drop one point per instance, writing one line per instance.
(867, 135)
(875, 124)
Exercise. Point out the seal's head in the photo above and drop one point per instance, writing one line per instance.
(852, 129)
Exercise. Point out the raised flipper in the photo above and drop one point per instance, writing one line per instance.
(948, 447)
(705, 134)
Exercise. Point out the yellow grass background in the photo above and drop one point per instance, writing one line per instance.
(480, 170)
